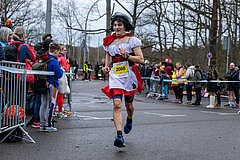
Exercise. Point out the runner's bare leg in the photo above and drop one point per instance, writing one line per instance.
(117, 115)
(130, 109)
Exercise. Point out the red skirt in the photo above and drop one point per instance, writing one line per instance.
(112, 92)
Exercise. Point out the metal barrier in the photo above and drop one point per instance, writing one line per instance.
(154, 89)
(13, 99)
(157, 91)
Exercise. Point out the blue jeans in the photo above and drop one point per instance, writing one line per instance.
(166, 90)
(147, 85)
(37, 108)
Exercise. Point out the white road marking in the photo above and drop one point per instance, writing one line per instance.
(164, 115)
(93, 118)
(219, 113)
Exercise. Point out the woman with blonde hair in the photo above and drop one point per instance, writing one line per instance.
(25, 52)
(63, 65)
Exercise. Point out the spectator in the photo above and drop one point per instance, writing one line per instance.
(2, 55)
(147, 74)
(168, 68)
(141, 69)
(171, 64)
(236, 77)
(189, 77)
(39, 47)
(61, 57)
(26, 53)
(212, 74)
(63, 65)
(89, 70)
(165, 84)
(5, 38)
(102, 67)
(219, 93)
(85, 71)
(175, 85)
(96, 69)
(197, 85)
(50, 97)
(36, 123)
(229, 76)
(76, 68)
(181, 79)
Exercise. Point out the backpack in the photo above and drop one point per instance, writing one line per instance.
(40, 85)
(11, 52)
(203, 75)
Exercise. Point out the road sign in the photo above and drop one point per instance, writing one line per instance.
(209, 55)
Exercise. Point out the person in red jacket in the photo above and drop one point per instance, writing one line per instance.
(63, 65)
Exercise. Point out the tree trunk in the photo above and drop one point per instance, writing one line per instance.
(213, 31)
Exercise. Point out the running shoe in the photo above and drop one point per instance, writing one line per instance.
(36, 125)
(127, 128)
(179, 101)
(119, 141)
(196, 103)
(42, 129)
(51, 129)
(175, 100)
(188, 102)
(227, 105)
(60, 115)
(237, 105)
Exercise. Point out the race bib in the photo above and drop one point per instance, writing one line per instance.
(121, 69)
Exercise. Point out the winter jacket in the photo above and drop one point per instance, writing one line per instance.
(53, 66)
(197, 77)
(229, 75)
(25, 51)
(2, 54)
(236, 77)
(180, 75)
(63, 61)
(189, 75)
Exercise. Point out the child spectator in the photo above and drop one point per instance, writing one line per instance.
(165, 84)
(197, 85)
(175, 85)
(49, 98)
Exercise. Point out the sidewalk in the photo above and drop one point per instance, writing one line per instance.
(171, 97)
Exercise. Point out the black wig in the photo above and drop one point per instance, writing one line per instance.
(120, 17)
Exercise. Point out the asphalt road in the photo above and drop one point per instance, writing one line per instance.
(162, 131)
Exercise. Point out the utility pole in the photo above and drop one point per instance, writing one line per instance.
(108, 20)
(48, 16)
(98, 50)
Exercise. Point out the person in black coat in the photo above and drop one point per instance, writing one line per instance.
(96, 69)
(236, 77)
(212, 74)
(230, 92)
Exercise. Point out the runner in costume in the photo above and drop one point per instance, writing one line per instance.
(124, 78)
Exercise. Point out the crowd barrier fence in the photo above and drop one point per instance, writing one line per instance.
(13, 97)
(158, 92)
